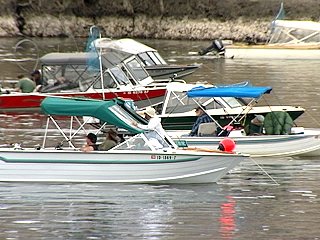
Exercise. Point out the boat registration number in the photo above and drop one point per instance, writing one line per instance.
(163, 157)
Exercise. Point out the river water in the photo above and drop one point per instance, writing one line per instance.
(271, 198)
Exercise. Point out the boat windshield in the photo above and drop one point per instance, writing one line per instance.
(123, 115)
(137, 143)
(232, 102)
(119, 75)
(137, 70)
(151, 58)
(178, 102)
(144, 141)
(108, 82)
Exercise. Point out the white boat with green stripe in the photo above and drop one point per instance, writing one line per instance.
(136, 160)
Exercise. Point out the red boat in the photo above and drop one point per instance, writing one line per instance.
(71, 75)
(26, 102)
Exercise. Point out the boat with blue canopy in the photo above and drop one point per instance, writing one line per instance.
(223, 103)
(276, 141)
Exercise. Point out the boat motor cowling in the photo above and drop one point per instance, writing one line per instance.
(216, 46)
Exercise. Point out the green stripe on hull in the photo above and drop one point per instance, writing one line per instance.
(86, 161)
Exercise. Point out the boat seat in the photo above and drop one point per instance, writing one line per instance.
(207, 129)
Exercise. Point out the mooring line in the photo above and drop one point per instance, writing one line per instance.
(265, 171)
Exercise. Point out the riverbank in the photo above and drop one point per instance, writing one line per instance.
(237, 20)
(141, 27)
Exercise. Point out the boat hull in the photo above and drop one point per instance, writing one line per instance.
(263, 146)
(114, 167)
(30, 102)
(271, 52)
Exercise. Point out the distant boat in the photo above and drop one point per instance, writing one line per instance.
(70, 75)
(289, 39)
(109, 68)
(153, 62)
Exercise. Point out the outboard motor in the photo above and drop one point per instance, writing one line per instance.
(216, 46)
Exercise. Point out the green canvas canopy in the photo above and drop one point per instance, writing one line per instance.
(112, 111)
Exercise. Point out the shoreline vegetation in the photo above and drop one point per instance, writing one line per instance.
(236, 20)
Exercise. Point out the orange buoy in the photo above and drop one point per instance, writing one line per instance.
(227, 145)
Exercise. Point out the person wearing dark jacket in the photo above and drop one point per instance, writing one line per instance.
(203, 117)
(255, 127)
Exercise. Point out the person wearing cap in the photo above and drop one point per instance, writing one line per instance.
(255, 127)
(154, 122)
(203, 117)
(112, 139)
(154, 125)
(91, 140)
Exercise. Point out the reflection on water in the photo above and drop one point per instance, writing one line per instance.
(246, 204)
(227, 218)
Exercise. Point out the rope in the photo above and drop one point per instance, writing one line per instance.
(17, 47)
(264, 171)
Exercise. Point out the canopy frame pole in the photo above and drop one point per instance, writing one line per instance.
(62, 133)
(81, 127)
(46, 132)
(249, 106)
(243, 113)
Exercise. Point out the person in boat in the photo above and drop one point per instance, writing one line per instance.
(278, 123)
(36, 77)
(203, 117)
(112, 139)
(25, 84)
(154, 126)
(154, 122)
(91, 143)
(255, 127)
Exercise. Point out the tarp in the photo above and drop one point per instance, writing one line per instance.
(107, 111)
(240, 92)
(305, 25)
(81, 58)
(125, 45)
(58, 58)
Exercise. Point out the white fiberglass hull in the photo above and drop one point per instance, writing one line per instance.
(114, 167)
(264, 145)
(271, 53)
